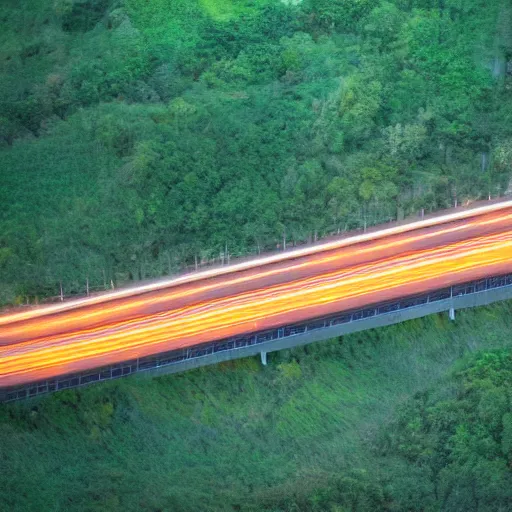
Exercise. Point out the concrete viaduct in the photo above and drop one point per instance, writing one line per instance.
(451, 299)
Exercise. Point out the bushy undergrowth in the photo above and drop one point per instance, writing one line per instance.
(357, 424)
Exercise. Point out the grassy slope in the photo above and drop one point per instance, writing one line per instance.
(236, 436)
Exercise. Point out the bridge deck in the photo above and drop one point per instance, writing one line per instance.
(476, 293)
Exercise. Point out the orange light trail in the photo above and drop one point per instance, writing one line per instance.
(259, 262)
(136, 306)
(259, 299)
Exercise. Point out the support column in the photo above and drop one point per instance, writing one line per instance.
(264, 358)
(452, 313)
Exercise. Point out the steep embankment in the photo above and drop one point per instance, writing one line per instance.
(330, 424)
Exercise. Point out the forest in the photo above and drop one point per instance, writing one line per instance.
(138, 137)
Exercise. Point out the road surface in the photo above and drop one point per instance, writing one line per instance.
(254, 296)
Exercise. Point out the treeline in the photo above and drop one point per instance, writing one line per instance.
(137, 137)
(449, 448)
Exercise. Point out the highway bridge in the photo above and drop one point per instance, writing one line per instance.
(451, 262)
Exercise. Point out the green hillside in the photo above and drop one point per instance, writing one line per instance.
(138, 135)
(387, 420)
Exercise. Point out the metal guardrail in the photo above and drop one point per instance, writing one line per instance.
(176, 357)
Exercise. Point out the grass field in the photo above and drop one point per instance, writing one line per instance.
(236, 436)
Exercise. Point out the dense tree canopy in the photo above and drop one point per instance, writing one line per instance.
(457, 438)
(139, 136)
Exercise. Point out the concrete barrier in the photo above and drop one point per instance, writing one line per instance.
(462, 302)
(457, 297)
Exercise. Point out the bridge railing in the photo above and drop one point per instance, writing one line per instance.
(175, 357)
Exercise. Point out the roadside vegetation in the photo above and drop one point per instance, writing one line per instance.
(137, 137)
(412, 417)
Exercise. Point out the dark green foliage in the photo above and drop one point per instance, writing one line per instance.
(82, 15)
(340, 15)
(236, 124)
(456, 437)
